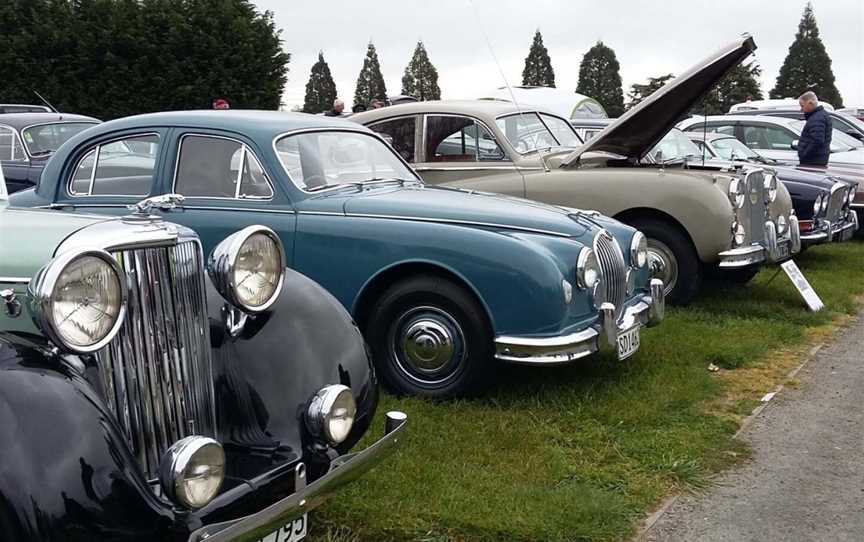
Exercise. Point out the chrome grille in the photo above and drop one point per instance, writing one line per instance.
(754, 182)
(614, 270)
(157, 372)
(836, 201)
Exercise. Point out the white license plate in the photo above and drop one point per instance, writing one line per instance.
(628, 342)
(292, 531)
(783, 251)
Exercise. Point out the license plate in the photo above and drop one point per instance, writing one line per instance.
(292, 531)
(628, 342)
(847, 234)
(783, 251)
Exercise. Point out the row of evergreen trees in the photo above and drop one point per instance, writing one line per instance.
(807, 67)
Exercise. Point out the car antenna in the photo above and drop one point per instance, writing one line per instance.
(46, 102)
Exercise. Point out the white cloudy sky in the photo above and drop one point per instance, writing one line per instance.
(649, 37)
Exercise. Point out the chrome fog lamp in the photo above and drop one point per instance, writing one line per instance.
(587, 269)
(79, 300)
(817, 205)
(781, 225)
(331, 413)
(736, 193)
(192, 470)
(639, 250)
(770, 187)
(853, 189)
(739, 234)
(248, 268)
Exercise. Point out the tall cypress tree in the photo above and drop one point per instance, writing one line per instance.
(370, 82)
(807, 65)
(639, 92)
(600, 79)
(538, 70)
(320, 90)
(421, 77)
(739, 85)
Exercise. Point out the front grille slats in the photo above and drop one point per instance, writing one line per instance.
(835, 203)
(756, 213)
(611, 261)
(156, 373)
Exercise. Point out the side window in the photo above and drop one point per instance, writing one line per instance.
(122, 167)
(838, 124)
(767, 138)
(400, 133)
(215, 167)
(10, 145)
(459, 139)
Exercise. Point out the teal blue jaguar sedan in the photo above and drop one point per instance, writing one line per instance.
(443, 282)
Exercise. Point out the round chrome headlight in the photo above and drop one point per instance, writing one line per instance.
(248, 268)
(853, 189)
(739, 234)
(781, 225)
(639, 250)
(192, 470)
(588, 271)
(770, 187)
(825, 203)
(79, 300)
(736, 193)
(817, 205)
(331, 413)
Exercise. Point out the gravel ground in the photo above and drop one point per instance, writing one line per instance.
(806, 479)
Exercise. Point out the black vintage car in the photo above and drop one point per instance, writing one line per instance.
(28, 139)
(149, 394)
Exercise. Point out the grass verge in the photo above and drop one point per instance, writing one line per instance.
(582, 453)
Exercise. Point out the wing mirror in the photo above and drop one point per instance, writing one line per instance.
(794, 145)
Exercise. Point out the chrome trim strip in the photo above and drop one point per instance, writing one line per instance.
(97, 150)
(15, 280)
(240, 209)
(459, 222)
(467, 168)
(742, 256)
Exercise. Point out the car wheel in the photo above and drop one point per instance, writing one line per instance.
(430, 337)
(672, 259)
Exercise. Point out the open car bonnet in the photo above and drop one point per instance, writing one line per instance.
(636, 131)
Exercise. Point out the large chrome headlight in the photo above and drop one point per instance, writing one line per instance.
(781, 225)
(770, 187)
(588, 271)
(737, 193)
(79, 300)
(192, 470)
(248, 268)
(739, 234)
(817, 205)
(331, 413)
(825, 203)
(639, 250)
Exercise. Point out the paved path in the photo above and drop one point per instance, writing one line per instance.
(806, 480)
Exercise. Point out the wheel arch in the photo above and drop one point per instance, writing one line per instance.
(636, 213)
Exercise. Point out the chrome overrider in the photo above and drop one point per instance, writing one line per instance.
(647, 310)
(343, 470)
(774, 248)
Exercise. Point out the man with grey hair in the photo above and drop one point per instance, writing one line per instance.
(338, 107)
(814, 145)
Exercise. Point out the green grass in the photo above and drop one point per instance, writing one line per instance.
(582, 453)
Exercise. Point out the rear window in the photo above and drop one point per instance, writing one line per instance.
(123, 167)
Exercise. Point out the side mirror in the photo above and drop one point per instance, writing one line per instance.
(794, 145)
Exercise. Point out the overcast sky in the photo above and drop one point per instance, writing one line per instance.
(649, 38)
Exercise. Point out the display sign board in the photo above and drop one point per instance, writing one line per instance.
(807, 292)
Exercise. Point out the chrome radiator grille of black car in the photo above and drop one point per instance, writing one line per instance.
(614, 270)
(157, 372)
(836, 201)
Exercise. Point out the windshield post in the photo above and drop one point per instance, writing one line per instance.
(4, 195)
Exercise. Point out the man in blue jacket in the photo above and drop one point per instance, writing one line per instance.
(814, 145)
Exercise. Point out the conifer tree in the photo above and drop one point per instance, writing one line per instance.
(370, 82)
(739, 85)
(538, 70)
(421, 77)
(600, 79)
(639, 92)
(320, 90)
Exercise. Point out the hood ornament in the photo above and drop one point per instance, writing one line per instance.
(164, 202)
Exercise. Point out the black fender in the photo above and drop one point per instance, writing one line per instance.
(66, 472)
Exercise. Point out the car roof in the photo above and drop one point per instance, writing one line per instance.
(258, 122)
(484, 108)
(782, 121)
(23, 120)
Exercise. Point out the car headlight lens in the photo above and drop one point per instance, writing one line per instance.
(739, 234)
(192, 470)
(331, 413)
(825, 203)
(639, 250)
(80, 300)
(853, 189)
(736, 193)
(587, 269)
(817, 205)
(781, 225)
(771, 187)
(248, 268)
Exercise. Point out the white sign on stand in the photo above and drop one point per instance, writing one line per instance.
(807, 292)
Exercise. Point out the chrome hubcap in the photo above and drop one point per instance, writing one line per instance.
(428, 344)
(663, 264)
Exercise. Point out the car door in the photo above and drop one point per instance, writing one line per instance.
(226, 187)
(770, 140)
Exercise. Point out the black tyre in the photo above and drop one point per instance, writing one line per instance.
(430, 337)
(673, 259)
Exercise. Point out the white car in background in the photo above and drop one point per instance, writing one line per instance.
(784, 103)
(776, 137)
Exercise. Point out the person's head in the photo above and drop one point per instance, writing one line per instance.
(338, 105)
(358, 108)
(808, 101)
(221, 103)
(376, 104)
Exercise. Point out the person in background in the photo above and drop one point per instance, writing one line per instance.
(376, 104)
(358, 108)
(221, 103)
(814, 145)
(338, 108)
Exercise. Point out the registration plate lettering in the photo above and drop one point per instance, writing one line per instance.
(293, 531)
(628, 342)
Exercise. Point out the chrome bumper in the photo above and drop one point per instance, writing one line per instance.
(770, 251)
(649, 310)
(343, 469)
(836, 231)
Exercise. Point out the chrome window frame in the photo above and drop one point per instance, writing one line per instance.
(16, 136)
(418, 136)
(537, 114)
(245, 150)
(358, 130)
(506, 159)
(97, 148)
(27, 148)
